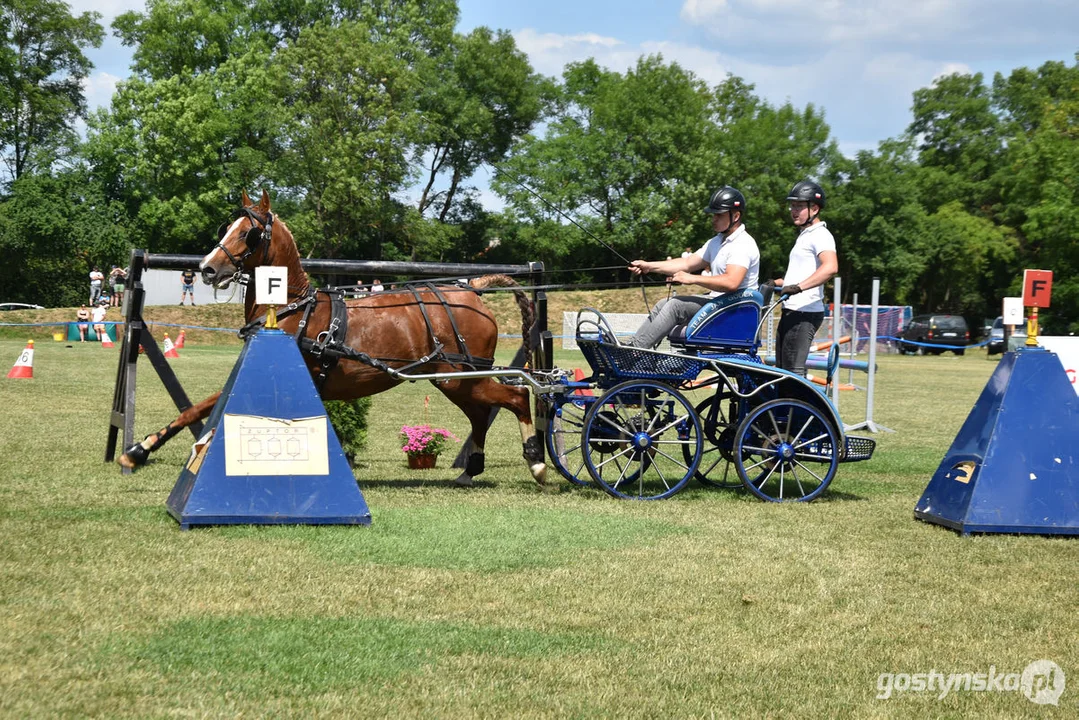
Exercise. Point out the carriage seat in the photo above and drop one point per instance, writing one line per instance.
(729, 321)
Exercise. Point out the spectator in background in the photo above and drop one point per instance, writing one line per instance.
(376, 286)
(117, 276)
(82, 317)
(98, 316)
(187, 282)
(96, 278)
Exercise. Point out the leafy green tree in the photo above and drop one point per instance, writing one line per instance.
(1039, 184)
(960, 141)
(42, 67)
(347, 112)
(611, 161)
(478, 99)
(53, 229)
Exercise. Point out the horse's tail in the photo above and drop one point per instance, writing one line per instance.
(528, 308)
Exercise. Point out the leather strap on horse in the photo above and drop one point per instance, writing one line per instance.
(464, 358)
(331, 338)
(308, 303)
(330, 346)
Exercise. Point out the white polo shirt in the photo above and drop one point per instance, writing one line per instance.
(804, 261)
(739, 248)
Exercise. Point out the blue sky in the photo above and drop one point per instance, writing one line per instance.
(858, 60)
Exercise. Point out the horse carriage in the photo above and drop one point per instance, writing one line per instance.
(641, 426)
(648, 421)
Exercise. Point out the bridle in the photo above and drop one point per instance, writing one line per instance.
(256, 237)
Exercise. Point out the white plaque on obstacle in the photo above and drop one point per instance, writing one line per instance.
(1012, 311)
(271, 285)
(276, 446)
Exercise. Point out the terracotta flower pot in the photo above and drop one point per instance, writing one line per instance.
(422, 462)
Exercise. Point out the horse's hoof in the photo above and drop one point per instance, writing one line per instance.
(539, 473)
(463, 480)
(134, 456)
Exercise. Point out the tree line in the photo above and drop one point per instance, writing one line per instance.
(370, 120)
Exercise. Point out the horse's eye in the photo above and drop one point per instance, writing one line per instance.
(221, 231)
(254, 238)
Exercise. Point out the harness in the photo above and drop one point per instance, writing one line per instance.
(329, 346)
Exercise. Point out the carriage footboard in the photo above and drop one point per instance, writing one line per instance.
(858, 448)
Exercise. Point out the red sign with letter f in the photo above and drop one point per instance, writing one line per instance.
(1037, 288)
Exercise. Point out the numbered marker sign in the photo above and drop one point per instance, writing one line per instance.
(271, 285)
(1013, 311)
(1037, 288)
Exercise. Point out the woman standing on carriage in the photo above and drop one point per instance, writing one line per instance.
(731, 256)
(813, 262)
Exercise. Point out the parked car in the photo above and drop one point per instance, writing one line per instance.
(996, 335)
(948, 330)
(19, 306)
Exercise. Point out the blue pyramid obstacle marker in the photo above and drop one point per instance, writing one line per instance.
(1014, 466)
(269, 455)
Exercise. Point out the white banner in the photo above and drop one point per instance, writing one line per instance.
(1067, 349)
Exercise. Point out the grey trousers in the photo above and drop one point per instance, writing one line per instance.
(796, 331)
(665, 316)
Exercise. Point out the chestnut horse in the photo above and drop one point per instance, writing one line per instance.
(390, 327)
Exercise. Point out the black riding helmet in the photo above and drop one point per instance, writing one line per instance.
(726, 199)
(806, 191)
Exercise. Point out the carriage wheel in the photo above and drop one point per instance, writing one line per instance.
(715, 468)
(642, 441)
(786, 451)
(565, 431)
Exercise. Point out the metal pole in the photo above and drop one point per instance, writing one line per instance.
(869, 424)
(837, 318)
(853, 335)
(166, 261)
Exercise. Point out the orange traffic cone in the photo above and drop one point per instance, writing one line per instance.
(24, 366)
(180, 340)
(170, 349)
(106, 341)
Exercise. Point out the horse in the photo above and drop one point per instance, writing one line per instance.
(381, 330)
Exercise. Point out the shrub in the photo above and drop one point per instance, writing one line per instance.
(349, 420)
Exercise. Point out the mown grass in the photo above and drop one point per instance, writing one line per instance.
(501, 600)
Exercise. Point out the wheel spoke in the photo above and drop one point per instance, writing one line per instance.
(659, 471)
(809, 470)
(622, 475)
(673, 460)
(667, 427)
(797, 480)
(756, 465)
(810, 441)
(608, 421)
(615, 456)
(767, 476)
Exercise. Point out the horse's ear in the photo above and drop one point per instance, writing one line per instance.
(264, 202)
(244, 199)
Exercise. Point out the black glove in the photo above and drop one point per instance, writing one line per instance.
(791, 289)
(767, 285)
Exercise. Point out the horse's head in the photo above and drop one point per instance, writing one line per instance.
(242, 244)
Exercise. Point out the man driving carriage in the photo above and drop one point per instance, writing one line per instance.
(731, 256)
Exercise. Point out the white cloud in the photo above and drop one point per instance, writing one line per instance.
(99, 88)
(935, 27)
(953, 69)
(109, 9)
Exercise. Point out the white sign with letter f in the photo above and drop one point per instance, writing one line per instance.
(271, 285)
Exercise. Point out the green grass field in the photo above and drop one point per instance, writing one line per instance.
(501, 600)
